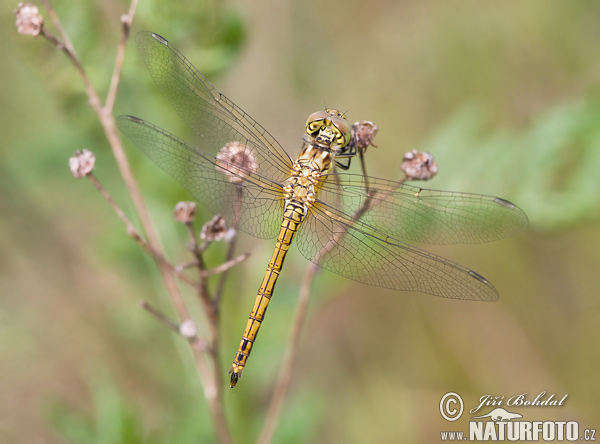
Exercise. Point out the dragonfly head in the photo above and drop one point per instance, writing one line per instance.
(330, 127)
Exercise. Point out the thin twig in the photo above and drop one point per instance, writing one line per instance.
(228, 259)
(203, 285)
(108, 124)
(210, 388)
(231, 248)
(134, 234)
(218, 269)
(210, 311)
(363, 165)
(160, 316)
(226, 266)
(116, 76)
(187, 265)
(67, 47)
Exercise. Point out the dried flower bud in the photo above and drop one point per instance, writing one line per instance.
(28, 19)
(214, 230)
(188, 329)
(236, 160)
(82, 163)
(418, 165)
(185, 212)
(363, 134)
(230, 235)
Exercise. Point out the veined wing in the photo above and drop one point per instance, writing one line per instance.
(422, 215)
(256, 200)
(354, 249)
(214, 117)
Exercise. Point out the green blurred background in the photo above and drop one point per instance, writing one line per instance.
(504, 94)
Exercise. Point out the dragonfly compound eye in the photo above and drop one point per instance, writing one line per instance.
(334, 121)
(315, 122)
(344, 130)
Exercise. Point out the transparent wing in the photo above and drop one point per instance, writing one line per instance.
(256, 201)
(418, 214)
(356, 250)
(214, 118)
(365, 249)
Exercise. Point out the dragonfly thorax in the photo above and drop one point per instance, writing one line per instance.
(307, 173)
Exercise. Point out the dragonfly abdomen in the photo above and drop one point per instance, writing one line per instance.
(293, 216)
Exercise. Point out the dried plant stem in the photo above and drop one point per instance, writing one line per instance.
(225, 272)
(221, 269)
(363, 165)
(134, 234)
(210, 389)
(160, 316)
(210, 312)
(211, 382)
(231, 248)
(116, 76)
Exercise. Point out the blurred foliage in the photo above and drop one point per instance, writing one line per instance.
(505, 95)
(114, 421)
(553, 162)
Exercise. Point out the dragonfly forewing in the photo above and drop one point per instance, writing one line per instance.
(208, 112)
(256, 201)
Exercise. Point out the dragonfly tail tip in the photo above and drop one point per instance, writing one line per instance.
(235, 376)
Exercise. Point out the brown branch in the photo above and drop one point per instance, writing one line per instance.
(108, 124)
(210, 311)
(135, 235)
(173, 326)
(152, 246)
(116, 76)
(231, 240)
(226, 266)
(210, 382)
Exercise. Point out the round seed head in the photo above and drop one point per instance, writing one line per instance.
(28, 19)
(363, 134)
(214, 230)
(184, 212)
(236, 161)
(418, 165)
(82, 163)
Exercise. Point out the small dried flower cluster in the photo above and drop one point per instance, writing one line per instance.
(29, 21)
(188, 329)
(82, 163)
(214, 230)
(363, 134)
(184, 212)
(236, 161)
(419, 165)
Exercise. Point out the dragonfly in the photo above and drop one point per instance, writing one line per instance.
(237, 169)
